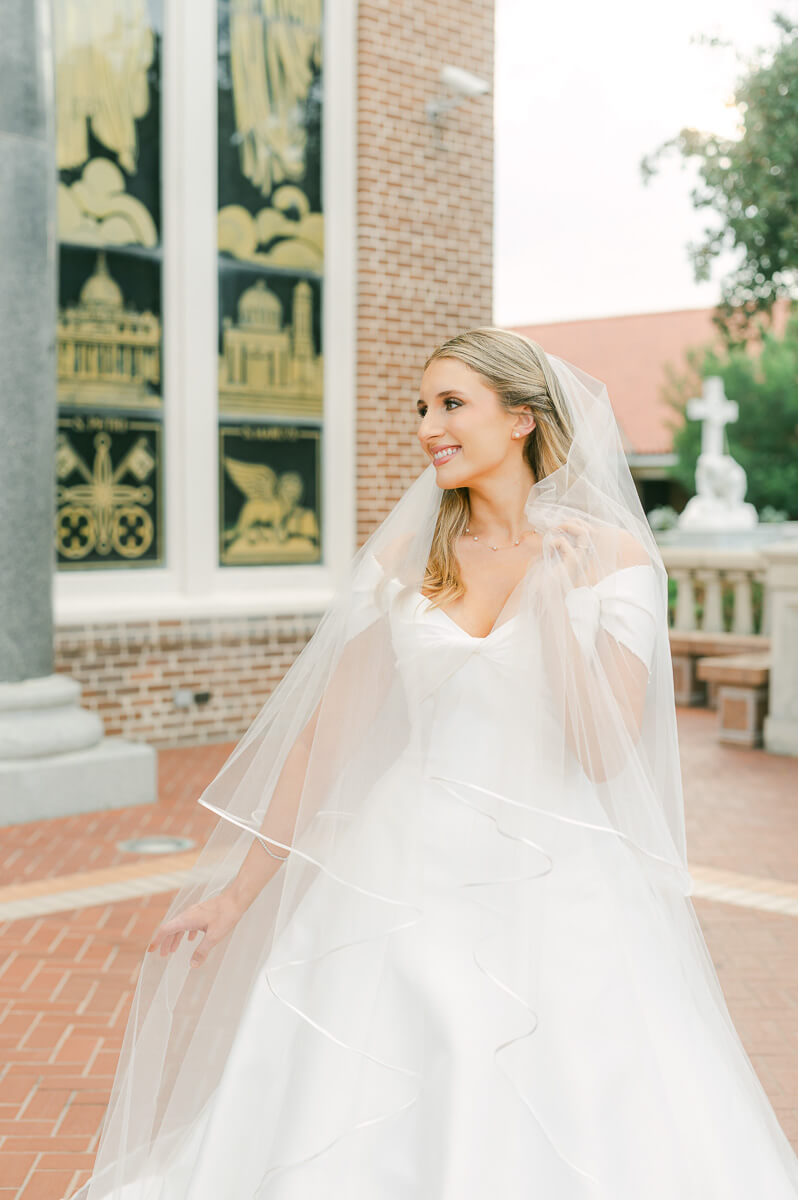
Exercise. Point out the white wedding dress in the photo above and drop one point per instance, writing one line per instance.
(624, 1079)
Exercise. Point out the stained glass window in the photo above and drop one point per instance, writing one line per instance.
(271, 254)
(109, 332)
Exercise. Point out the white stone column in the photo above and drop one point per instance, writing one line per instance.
(53, 757)
(781, 723)
(27, 327)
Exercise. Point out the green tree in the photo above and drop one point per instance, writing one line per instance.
(764, 439)
(751, 185)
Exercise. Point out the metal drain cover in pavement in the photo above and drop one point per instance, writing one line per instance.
(157, 843)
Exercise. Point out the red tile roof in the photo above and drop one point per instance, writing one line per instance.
(629, 354)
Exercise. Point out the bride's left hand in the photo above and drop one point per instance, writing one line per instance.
(572, 543)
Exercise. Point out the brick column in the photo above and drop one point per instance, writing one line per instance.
(425, 222)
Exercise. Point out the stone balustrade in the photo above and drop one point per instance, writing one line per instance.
(711, 574)
(741, 593)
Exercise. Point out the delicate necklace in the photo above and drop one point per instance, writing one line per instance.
(509, 547)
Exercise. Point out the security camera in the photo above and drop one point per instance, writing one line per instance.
(463, 81)
(457, 80)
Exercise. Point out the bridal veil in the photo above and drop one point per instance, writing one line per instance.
(300, 779)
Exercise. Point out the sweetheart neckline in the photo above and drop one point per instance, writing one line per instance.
(474, 637)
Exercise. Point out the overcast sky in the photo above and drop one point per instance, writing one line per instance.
(582, 91)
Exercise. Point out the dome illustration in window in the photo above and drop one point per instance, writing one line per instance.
(109, 356)
(267, 367)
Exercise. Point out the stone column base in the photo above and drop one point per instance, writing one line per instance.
(54, 760)
(781, 736)
(741, 712)
(113, 774)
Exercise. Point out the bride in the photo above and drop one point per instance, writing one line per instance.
(440, 944)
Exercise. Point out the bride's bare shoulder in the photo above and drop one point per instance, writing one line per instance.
(618, 547)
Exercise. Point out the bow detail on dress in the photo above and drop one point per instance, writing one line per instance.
(623, 603)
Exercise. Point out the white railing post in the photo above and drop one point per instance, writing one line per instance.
(712, 621)
(684, 617)
(743, 614)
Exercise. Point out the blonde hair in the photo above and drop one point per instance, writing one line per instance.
(518, 370)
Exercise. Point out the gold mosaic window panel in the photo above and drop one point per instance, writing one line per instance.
(108, 491)
(268, 364)
(109, 333)
(269, 483)
(271, 256)
(107, 71)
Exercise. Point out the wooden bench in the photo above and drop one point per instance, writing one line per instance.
(741, 681)
(688, 648)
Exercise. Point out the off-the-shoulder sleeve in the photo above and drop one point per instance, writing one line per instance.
(624, 603)
(367, 604)
(368, 575)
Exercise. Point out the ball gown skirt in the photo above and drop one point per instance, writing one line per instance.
(641, 1068)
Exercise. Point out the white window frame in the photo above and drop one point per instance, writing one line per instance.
(191, 583)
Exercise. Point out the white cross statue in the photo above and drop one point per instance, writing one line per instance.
(715, 411)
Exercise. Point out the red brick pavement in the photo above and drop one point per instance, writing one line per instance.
(65, 989)
(66, 980)
(741, 805)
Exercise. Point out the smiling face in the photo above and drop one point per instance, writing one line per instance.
(463, 427)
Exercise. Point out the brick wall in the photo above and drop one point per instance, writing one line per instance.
(424, 272)
(130, 673)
